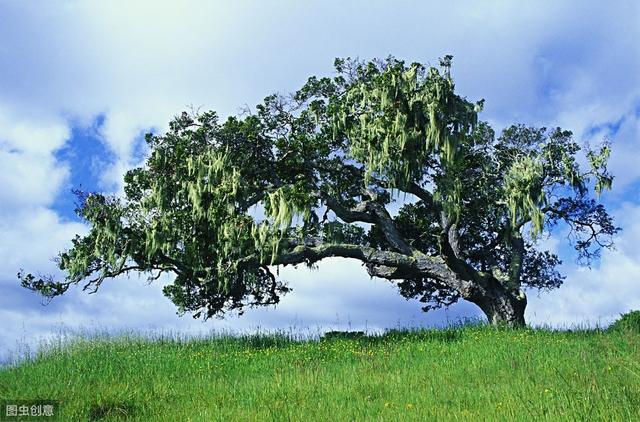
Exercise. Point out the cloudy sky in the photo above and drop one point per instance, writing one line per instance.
(82, 81)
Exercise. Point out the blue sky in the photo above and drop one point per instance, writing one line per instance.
(82, 81)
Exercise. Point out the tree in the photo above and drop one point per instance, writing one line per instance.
(312, 176)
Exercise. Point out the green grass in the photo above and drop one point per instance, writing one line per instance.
(465, 373)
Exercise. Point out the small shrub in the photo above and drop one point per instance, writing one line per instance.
(628, 322)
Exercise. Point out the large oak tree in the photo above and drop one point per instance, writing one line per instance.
(315, 174)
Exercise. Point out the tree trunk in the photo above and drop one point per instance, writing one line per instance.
(502, 306)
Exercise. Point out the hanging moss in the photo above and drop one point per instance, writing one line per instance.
(283, 205)
(400, 118)
(524, 192)
(598, 162)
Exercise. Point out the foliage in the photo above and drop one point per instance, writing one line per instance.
(219, 203)
(467, 373)
(627, 322)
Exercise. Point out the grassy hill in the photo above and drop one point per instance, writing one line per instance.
(465, 373)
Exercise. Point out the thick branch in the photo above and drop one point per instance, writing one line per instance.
(449, 239)
(385, 264)
(450, 249)
(372, 212)
(517, 258)
(398, 265)
(349, 215)
(422, 193)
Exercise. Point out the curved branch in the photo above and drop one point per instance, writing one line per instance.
(449, 239)
(311, 254)
(349, 215)
(372, 212)
(384, 264)
(450, 249)
(426, 196)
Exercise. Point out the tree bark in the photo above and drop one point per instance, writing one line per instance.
(502, 306)
(501, 302)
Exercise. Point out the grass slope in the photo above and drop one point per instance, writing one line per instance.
(465, 373)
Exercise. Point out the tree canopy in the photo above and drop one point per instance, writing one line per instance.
(314, 175)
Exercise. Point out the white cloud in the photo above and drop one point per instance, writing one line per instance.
(38, 137)
(598, 295)
(28, 179)
(31, 237)
(30, 174)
